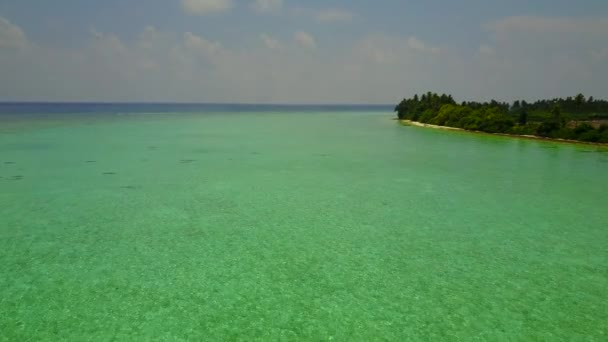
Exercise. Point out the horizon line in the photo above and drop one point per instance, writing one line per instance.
(190, 103)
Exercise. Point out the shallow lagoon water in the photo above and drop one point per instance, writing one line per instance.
(296, 225)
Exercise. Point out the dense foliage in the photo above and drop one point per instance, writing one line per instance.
(574, 118)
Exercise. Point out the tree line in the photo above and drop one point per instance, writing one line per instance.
(574, 118)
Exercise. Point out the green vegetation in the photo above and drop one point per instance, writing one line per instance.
(573, 118)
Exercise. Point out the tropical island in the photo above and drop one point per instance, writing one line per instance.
(574, 118)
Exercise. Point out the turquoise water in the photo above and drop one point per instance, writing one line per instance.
(279, 225)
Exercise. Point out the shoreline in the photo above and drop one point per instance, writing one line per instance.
(530, 137)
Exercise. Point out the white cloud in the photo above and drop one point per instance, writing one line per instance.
(267, 6)
(418, 45)
(203, 7)
(201, 45)
(305, 39)
(196, 66)
(193, 67)
(393, 50)
(108, 42)
(334, 15)
(543, 57)
(11, 36)
(378, 49)
(269, 42)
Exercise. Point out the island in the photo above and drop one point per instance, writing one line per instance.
(571, 119)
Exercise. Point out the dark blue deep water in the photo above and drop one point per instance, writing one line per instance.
(45, 108)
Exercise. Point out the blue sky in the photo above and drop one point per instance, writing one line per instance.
(289, 51)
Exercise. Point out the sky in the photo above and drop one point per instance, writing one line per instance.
(297, 51)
